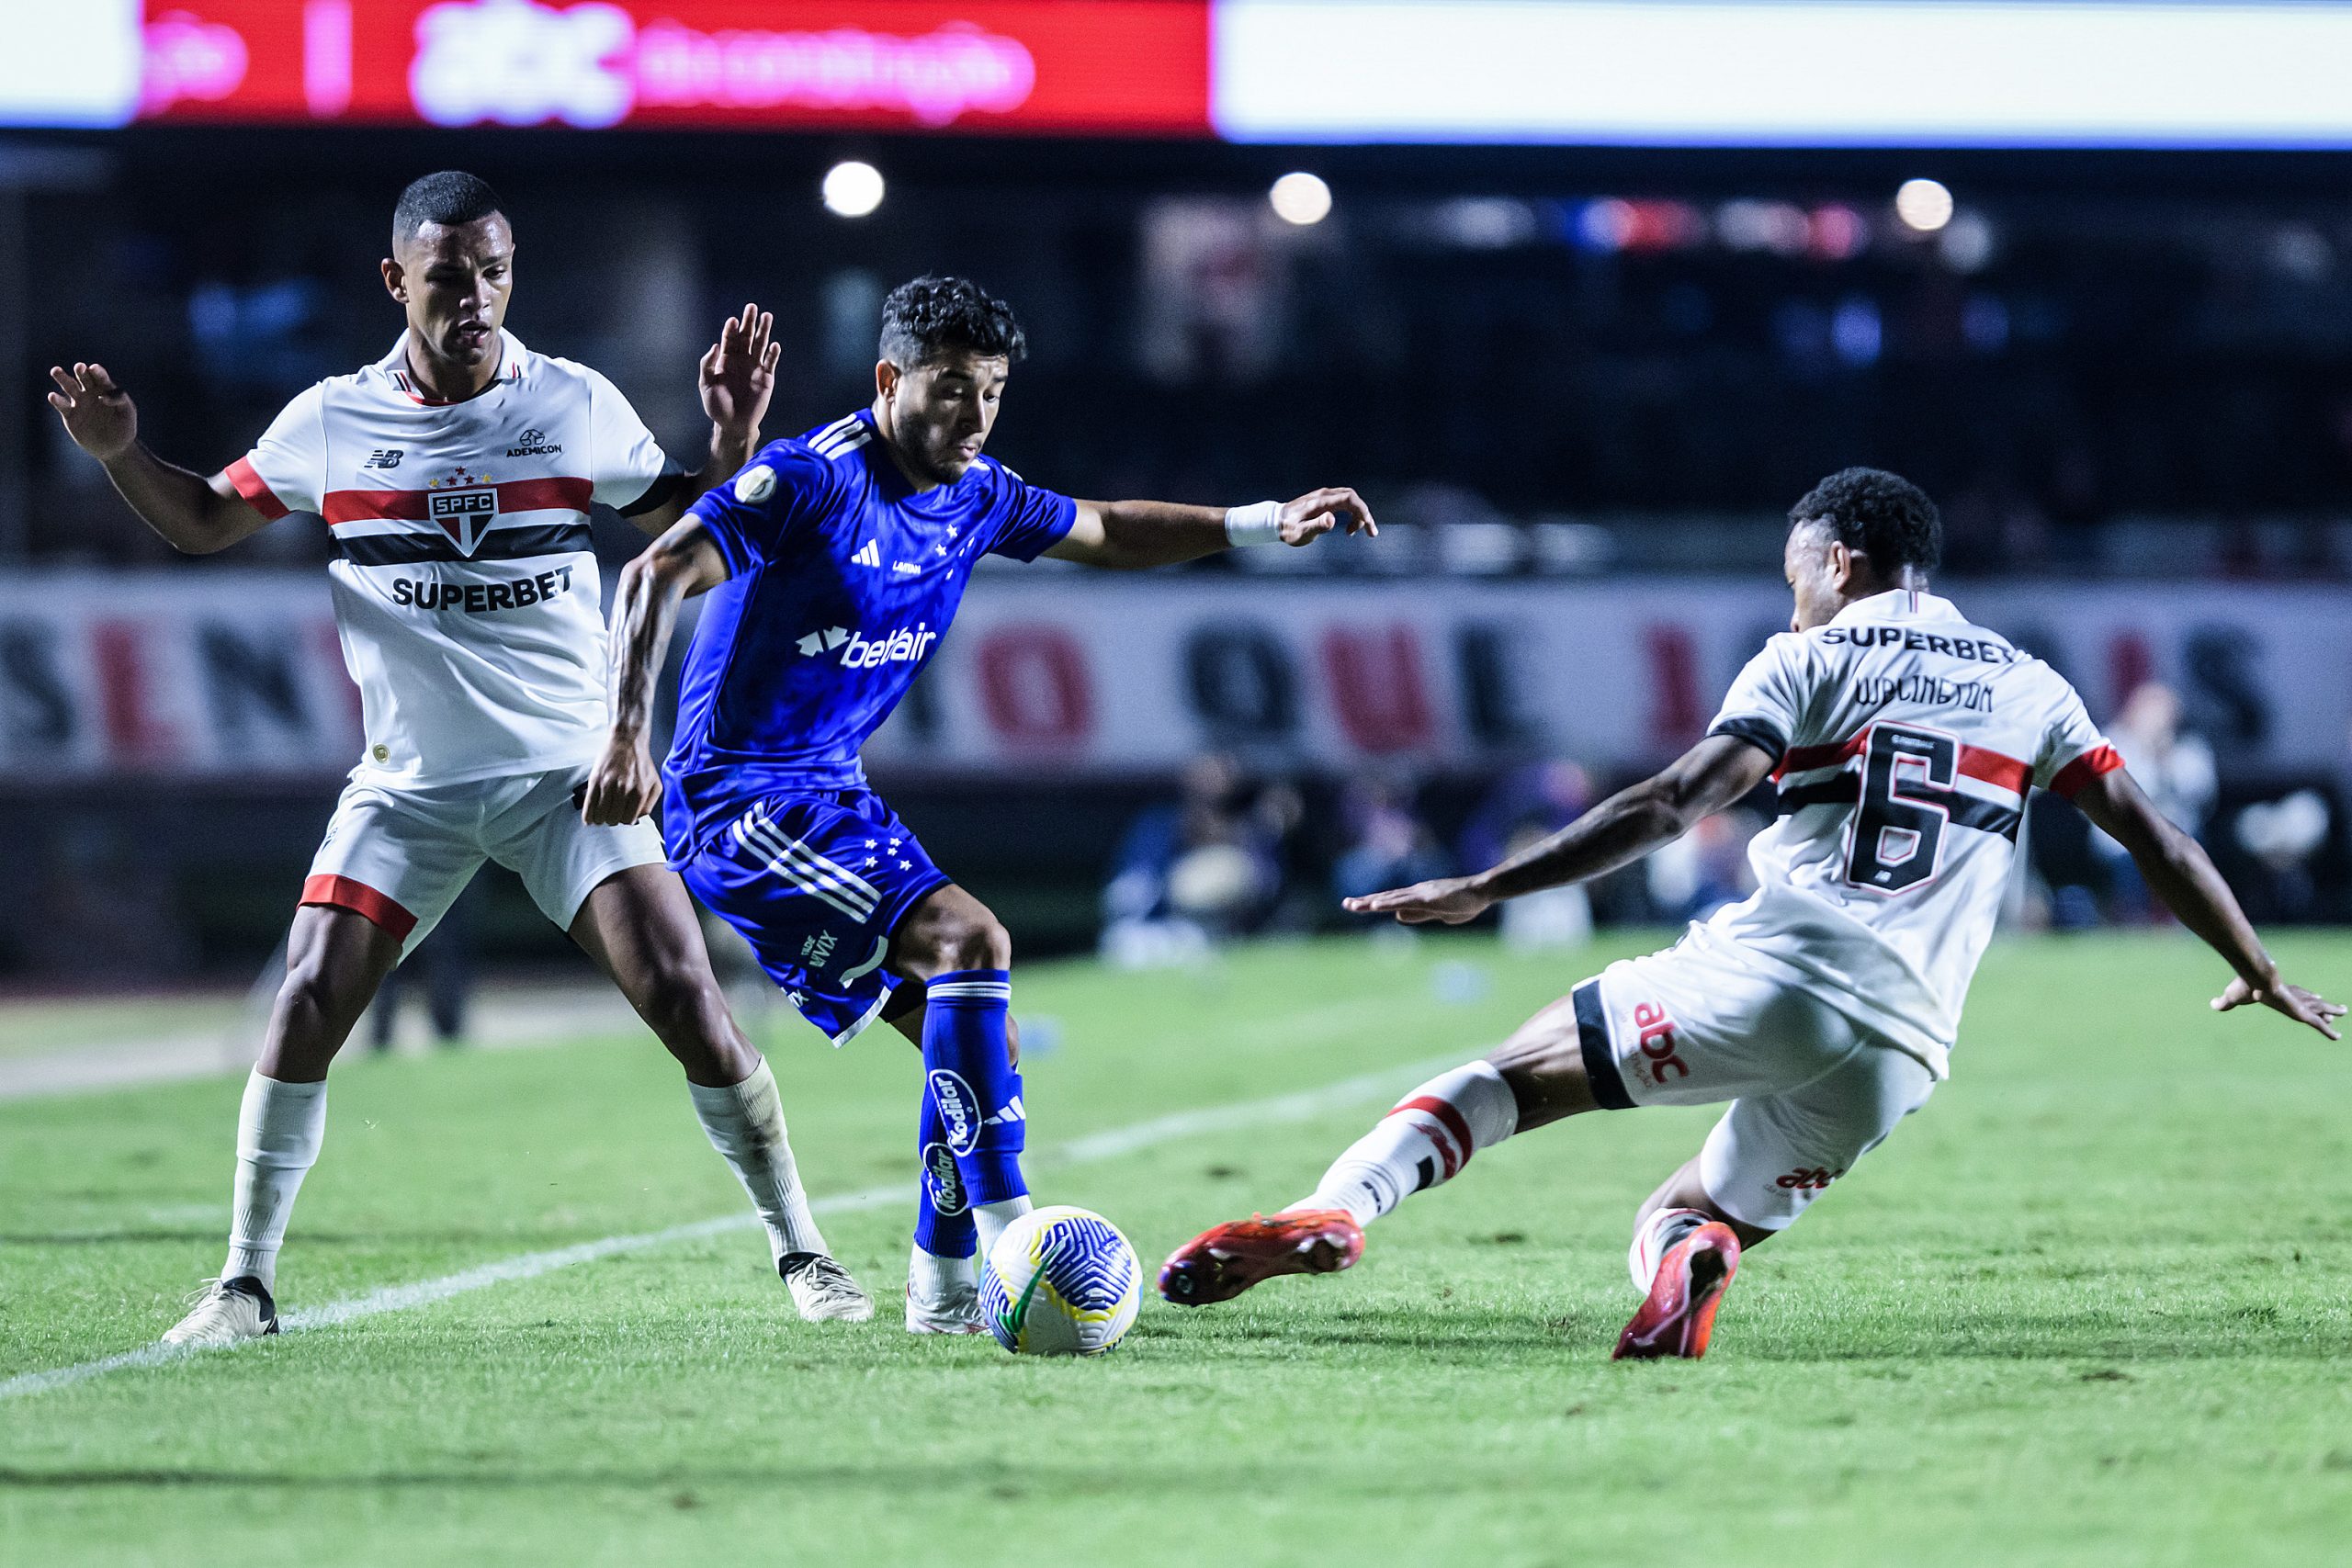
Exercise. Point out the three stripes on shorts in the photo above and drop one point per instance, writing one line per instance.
(802, 866)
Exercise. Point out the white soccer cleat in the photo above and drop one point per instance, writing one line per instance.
(823, 1293)
(956, 1310)
(224, 1311)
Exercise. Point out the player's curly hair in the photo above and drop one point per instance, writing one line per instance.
(1883, 515)
(449, 198)
(933, 316)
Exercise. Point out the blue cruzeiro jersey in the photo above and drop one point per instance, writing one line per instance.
(842, 579)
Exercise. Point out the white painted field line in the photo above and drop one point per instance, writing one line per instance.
(1299, 1107)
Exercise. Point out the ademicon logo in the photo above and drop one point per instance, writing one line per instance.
(522, 63)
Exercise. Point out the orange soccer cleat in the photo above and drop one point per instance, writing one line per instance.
(1689, 1286)
(1220, 1263)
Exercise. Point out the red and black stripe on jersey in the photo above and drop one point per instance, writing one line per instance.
(518, 543)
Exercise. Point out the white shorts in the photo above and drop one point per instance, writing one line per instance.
(1811, 1090)
(401, 856)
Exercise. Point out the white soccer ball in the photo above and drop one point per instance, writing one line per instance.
(1060, 1282)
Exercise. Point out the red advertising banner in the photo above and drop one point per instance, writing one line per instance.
(1140, 67)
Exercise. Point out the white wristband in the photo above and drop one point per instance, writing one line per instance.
(1258, 523)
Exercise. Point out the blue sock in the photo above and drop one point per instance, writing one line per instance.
(943, 1225)
(967, 1063)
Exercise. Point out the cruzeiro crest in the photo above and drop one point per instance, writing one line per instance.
(465, 505)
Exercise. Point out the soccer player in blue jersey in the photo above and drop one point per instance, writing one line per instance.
(834, 564)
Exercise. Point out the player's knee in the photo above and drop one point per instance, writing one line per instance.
(678, 997)
(965, 939)
(980, 944)
(316, 1008)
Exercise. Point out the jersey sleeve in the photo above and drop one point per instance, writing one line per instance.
(1766, 700)
(1029, 521)
(752, 516)
(286, 471)
(631, 473)
(2073, 750)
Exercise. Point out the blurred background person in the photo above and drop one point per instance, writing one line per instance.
(1207, 866)
(1705, 869)
(443, 968)
(2175, 767)
(1526, 805)
(1387, 842)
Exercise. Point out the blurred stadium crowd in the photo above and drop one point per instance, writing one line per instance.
(1233, 854)
(2091, 380)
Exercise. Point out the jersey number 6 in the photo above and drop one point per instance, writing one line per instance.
(1907, 779)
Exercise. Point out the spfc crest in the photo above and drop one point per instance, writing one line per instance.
(465, 513)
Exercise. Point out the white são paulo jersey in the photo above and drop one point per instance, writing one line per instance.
(465, 591)
(1905, 740)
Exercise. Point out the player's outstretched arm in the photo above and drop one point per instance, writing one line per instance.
(2178, 871)
(737, 378)
(624, 784)
(193, 514)
(1129, 536)
(1618, 831)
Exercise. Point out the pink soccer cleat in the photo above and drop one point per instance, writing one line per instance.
(1219, 1264)
(1680, 1312)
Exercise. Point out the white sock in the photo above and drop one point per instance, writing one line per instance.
(933, 1279)
(991, 1218)
(1653, 1236)
(279, 1129)
(1425, 1141)
(745, 1123)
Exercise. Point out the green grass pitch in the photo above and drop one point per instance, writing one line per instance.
(2090, 1306)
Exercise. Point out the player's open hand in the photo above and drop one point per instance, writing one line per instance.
(1315, 514)
(99, 414)
(2304, 1006)
(1446, 900)
(622, 787)
(739, 372)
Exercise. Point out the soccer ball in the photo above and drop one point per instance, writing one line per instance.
(1060, 1282)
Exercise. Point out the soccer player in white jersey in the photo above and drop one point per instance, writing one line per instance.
(456, 475)
(1905, 740)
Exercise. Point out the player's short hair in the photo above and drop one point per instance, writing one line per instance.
(449, 198)
(1884, 515)
(933, 316)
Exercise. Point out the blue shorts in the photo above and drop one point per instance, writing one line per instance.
(817, 882)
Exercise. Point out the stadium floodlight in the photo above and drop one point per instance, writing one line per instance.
(1300, 197)
(853, 190)
(1924, 205)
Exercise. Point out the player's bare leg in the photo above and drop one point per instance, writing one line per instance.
(639, 927)
(1535, 1076)
(962, 955)
(335, 959)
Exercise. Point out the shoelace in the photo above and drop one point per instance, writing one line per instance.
(826, 1278)
(201, 1295)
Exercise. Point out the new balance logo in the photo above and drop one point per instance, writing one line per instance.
(868, 555)
(386, 457)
